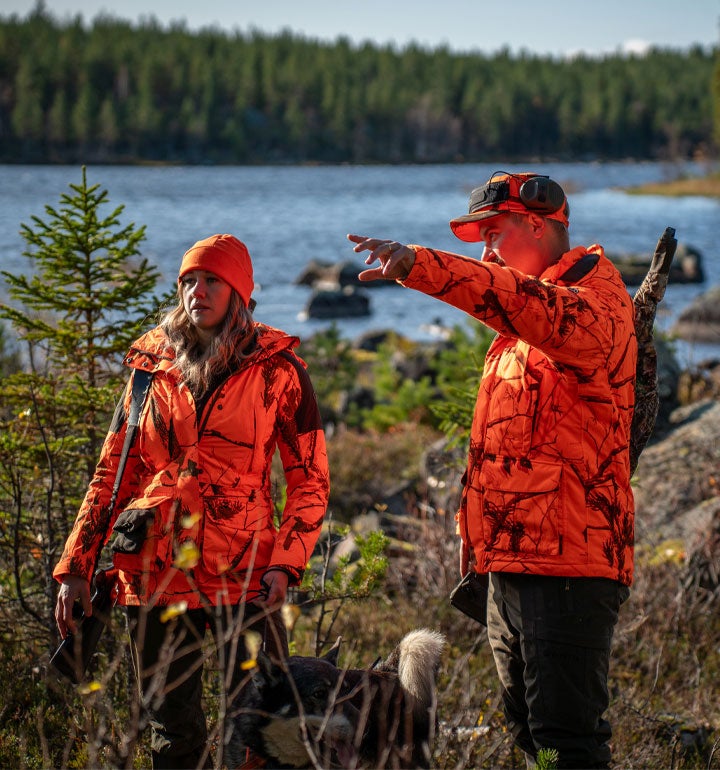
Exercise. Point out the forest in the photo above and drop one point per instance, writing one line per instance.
(114, 92)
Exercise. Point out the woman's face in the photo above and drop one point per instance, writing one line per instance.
(206, 299)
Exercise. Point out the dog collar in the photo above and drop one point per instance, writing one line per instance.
(252, 760)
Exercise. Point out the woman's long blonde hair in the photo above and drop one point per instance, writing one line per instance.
(199, 366)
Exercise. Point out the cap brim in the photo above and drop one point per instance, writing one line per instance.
(467, 228)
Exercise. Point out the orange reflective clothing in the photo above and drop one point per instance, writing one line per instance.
(194, 519)
(547, 489)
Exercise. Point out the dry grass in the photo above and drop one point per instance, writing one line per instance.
(664, 680)
(665, 671)
(366, 467)
(706, 185)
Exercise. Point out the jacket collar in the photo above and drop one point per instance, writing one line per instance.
(152, 351)
(572, 262)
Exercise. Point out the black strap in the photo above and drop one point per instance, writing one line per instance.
(580, 269)
(140, 386)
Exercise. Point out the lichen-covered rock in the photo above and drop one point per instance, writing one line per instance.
(700, 321)
(679, 473)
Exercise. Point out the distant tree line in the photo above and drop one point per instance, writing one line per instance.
(111, 91)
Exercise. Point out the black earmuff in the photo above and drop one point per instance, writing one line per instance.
(542, 194)
(538, 193)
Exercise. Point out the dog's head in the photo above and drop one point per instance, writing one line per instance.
(307, 712)
(298, 714)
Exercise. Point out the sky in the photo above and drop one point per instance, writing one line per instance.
(559, 28)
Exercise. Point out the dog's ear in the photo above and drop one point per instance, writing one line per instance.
(267, 674)
(331, 656)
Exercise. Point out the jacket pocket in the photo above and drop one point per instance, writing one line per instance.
(142, 541)
(522, 509)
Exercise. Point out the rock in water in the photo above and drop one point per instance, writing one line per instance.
(338, 303)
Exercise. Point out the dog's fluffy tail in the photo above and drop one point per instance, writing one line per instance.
(416, 660)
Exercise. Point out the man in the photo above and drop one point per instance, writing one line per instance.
(547, 509)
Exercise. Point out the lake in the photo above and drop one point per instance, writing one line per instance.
(289, 215)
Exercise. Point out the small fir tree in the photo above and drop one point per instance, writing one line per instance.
(74, 315)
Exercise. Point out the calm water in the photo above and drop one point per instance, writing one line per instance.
(289, 215)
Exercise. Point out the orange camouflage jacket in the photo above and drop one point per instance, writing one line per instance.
(194, 519)
(547, 489)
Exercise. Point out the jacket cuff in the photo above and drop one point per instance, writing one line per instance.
(294, 574)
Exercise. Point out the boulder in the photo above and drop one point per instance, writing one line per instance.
(338, 303)
(316, 271)
(702, 544)
(677, 505)
(700, 382)
(700, 321)
(333, 275)
(442, 467)
(686, 267)
(372, 340)
(678, 473)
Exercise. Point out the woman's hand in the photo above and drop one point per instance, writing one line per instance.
(72, 588)
(276, 583)
(396, 260)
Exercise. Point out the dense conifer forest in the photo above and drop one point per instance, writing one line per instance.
(111, 91)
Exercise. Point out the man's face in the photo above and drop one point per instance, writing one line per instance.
(515, 241)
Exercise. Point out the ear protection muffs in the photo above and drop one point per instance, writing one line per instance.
(537, 193)
(542, 194)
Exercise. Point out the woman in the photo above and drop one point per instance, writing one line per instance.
(193, 533)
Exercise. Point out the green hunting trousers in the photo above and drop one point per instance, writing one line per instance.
(168, 658)
(551, 639)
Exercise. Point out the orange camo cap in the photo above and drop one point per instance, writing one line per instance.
(523, 193)
(225, 256)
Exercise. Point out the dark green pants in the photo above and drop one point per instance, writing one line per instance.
(168, 660)
(551, 641)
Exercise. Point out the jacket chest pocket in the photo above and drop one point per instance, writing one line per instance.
(522, 509)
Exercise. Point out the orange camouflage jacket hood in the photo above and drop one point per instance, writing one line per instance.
(194, 519)
(548, 479)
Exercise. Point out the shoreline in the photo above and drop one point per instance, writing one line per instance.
(708, 186)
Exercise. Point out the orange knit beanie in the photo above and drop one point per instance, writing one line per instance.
(225, 256)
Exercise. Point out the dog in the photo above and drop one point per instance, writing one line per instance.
(308, 712)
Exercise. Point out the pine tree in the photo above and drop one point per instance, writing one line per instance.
(74, 315)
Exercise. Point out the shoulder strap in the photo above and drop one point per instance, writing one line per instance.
(140, 386)
(580, 269)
